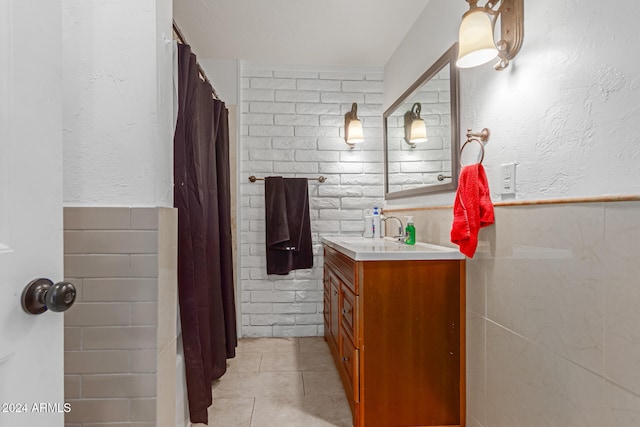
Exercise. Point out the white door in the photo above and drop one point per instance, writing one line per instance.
(31, 347)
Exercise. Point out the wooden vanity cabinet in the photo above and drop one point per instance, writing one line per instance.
(396, 330)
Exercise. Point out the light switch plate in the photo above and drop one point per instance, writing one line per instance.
(508, 178)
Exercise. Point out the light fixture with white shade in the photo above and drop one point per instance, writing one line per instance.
(476, 36)
(415, 130)
(353, 127)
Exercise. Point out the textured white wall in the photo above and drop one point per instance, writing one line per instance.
(566, 108)
(293, 125)
(118, 103)
(163, 145)
(566, 111)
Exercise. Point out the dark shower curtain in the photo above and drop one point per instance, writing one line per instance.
(205, 269)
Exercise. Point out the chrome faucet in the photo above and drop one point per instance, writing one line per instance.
(400, 228)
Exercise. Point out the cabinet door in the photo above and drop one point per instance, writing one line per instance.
(327, 303)
(334, 321)
(349, 357)
(348, 313)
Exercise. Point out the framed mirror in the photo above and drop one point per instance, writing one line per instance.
(421, 133)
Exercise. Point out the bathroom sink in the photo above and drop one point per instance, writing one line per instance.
(369, 249)
(366, 242)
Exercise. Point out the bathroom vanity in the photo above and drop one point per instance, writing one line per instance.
(394, 319)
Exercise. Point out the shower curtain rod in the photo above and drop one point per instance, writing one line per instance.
(182, 40)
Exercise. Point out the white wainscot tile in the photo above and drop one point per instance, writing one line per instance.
(529, 386)
(476, 340)
(546, 280)
(622, 294)
(622, 408)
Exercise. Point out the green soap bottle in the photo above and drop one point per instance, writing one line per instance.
(410, 232)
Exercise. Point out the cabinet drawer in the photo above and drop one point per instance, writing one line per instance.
(349, 359)
(343, 266)
(348, 313)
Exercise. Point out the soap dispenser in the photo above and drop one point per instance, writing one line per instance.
(376, 223)
(410, 232)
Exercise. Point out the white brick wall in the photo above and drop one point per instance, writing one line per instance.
(293, 126)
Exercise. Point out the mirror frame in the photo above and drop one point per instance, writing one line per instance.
(449, 57)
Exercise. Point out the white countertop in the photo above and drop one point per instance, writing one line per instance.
(388, 249)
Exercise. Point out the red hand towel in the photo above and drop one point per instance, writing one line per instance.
(472, 208)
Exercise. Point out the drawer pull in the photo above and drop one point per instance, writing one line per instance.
(345, 359)
(345, 311)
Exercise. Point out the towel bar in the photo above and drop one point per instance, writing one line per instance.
(321, 178)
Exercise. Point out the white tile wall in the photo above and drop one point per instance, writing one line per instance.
(293, 126)
(553, 307)
(120, 336)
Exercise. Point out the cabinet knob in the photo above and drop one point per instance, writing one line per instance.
(345, 359)
(345, 311)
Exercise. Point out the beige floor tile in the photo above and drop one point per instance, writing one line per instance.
(317, 361)
(253, 384)
(267, 345)
(322, 383)
(244, 362)
(280, 362)
(307, 411)
(280, 382)
(234, 412)
(313, 344)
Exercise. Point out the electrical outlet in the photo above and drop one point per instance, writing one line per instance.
(508, 178)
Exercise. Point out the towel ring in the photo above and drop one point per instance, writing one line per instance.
(483, 136)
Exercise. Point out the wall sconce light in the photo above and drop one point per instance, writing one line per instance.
(353, 127)
(476, 37)
(415, 129)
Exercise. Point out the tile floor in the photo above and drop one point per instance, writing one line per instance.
(280, 382)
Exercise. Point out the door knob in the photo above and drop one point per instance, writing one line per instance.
(42, 294)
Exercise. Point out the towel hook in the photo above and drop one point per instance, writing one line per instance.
(480, 138)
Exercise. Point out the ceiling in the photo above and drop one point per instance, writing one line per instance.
(361, 33)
